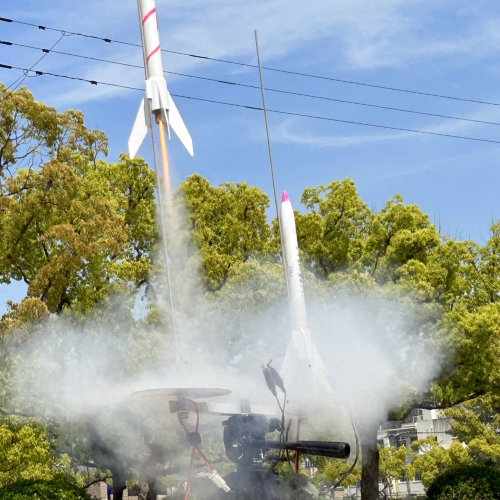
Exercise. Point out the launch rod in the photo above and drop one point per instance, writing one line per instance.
(272, 174)
(164, 235)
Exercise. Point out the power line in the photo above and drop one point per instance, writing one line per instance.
(284, 71)
(237, 84)
(289, 113)
(21, 79)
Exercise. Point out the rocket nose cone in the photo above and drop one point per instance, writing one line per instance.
(284, 197)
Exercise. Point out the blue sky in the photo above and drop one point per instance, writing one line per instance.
(449, 47)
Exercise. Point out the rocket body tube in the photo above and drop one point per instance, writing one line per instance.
(292, 262)
(302, 367)
(156, 85)
(151, 38)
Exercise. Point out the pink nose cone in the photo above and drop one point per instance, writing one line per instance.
(284, 197)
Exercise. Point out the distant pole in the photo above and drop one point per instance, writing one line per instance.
(272, 171)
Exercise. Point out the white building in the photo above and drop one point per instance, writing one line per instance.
(99, 491)
(418, 425)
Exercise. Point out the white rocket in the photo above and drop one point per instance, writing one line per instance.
(157, 99)
(302, 364)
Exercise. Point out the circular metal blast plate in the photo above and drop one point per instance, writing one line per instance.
(186, 393)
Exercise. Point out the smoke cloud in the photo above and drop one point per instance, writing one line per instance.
(374, 348)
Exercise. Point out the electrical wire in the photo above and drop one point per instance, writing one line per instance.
(195, 450)
(287, 451)
(284, 71)
(297, 434)
(355, 459)
(256, 87)
(288, 113)
(25, 73)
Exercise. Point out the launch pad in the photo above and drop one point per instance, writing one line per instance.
(244, 439)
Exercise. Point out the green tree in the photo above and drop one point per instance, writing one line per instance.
(228, 223)
(332, 235)
(462, 483)
(77, 230)
(400, 234)
(73, 226)
(331, 471)
(392, 466)
(59, 488)
(429, 459)
(476, 424)
(24, 454)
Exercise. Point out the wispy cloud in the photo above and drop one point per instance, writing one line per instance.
(294, 130)
(297, 130)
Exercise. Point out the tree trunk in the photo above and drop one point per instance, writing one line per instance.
(369, 465)
(151, 489)
(106, 458)
(143, 488)
(119, 484)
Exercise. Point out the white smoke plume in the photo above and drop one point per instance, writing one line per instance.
(373, 348)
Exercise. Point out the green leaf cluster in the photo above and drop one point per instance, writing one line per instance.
(466, 482)
(59, 488)
(24, 454)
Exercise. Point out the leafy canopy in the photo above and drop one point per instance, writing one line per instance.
(24, 454)
(73, 226)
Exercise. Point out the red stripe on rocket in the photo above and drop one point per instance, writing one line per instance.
(157, 99)
(302, 364)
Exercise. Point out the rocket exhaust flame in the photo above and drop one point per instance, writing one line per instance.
(165, 165)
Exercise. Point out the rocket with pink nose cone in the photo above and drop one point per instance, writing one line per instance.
(157, 99)
(302, 364)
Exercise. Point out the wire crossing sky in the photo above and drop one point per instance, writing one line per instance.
(289, 72)
(27, 71)
(225, 82)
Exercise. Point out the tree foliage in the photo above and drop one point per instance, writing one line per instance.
(466, 482)
(228, 223)
(24, 454)
(59, 488)
(73, 226)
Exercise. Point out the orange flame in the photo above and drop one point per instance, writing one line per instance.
(164, 158)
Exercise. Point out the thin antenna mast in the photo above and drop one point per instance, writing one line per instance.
(272, 173)
(158, 184)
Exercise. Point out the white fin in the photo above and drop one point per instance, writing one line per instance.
(177, 125)
(303, 370)
(139, 130)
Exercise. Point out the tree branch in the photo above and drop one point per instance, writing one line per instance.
(97, 481)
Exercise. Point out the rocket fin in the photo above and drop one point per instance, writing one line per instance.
(139, 130)
(177, 125)
(303, 367)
